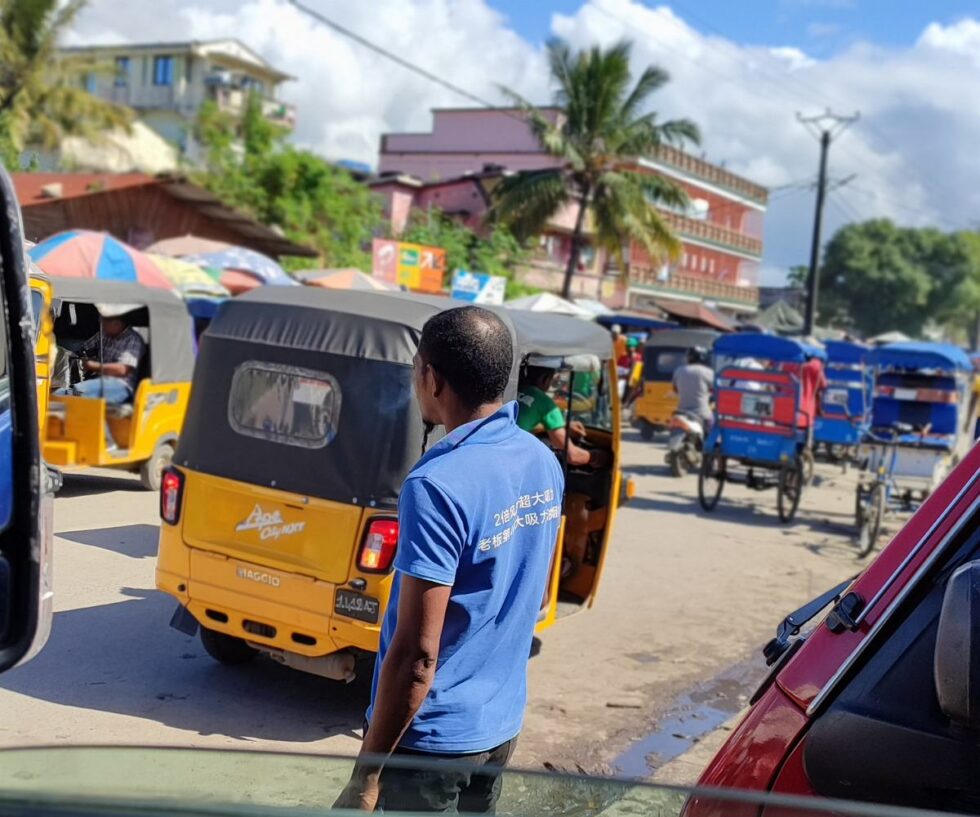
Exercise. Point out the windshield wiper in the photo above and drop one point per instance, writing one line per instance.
(790, 626)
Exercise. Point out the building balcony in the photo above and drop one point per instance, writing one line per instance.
(713, 234)
(704, 288)
(713, 174)
(233, 100)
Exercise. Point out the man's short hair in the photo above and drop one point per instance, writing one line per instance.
(533, 374)
(473, 350)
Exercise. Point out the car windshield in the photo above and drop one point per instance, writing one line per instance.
(356, 327)
(175, 781)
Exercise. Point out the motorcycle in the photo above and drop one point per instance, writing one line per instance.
(685, 444)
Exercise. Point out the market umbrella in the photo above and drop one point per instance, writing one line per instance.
(190, 279)
(547, 302)
(88, 254)
(243, 269)
(187, 245)
(349, 278)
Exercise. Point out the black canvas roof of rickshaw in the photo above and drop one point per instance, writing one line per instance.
(551, 335)
(171, 327)
(682, 338)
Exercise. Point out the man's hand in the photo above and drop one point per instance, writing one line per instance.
(92, 365)
(362, 792)
(578, 430)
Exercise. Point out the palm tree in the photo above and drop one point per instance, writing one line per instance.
(41, 95)
(600, 130)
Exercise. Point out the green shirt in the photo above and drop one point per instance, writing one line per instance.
(536, 408)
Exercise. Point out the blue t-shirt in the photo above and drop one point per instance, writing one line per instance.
(479, 512)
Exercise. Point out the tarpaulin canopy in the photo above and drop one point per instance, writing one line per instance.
(171, 335)
(363, 344)
(547, 302)
(766, 347)
(349, 278)
(843, 351)
(780, 318)
(921, 355)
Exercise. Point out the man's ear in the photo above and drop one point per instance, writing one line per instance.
(438, 382)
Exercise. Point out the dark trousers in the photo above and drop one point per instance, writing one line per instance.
(469, 785)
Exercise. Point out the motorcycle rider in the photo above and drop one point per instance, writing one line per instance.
(693, 382)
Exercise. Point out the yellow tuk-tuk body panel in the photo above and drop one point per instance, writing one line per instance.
(43, 346)
(656, 404)
(244, 554)
(75, 428)
(304, 535)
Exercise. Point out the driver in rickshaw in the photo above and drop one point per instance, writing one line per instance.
(537, 408)
(111, 358)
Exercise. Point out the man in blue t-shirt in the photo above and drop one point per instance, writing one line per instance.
(478, 522)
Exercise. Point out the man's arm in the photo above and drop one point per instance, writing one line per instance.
(576, 455)
(108, 369)
(406, 676)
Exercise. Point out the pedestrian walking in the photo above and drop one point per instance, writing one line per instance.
(478, 522)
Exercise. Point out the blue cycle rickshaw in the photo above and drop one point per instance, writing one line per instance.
(920, 390)
(762, 424)
(842, 416)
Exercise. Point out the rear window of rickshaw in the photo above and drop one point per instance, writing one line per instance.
(667, 361)
(590, 403)
(284, 404)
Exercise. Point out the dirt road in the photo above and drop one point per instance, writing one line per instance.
(685, 597)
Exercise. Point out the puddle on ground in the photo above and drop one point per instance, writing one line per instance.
(689, 718)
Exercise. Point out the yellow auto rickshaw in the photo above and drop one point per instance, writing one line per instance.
(40, 286)
(662, 354)
(144, 431)
(280, 512)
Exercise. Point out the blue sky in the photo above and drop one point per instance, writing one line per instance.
(820, 27)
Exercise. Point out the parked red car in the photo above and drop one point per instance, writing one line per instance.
(881, 701)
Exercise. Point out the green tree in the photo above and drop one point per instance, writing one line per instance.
(41, 95)
(498, 253)
(873, 281)
(250, 165)
(600, 130)
(956, 298)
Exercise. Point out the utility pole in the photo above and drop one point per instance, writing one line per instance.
(825, 127)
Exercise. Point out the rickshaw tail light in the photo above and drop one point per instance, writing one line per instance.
(171, 490)
(380, 542)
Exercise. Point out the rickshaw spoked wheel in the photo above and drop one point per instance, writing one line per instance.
(871, 512)
(226, 649)
(790, 489)
(711, 480)
(808, 462)
(151, 471)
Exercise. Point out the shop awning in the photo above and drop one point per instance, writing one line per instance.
(694, 312)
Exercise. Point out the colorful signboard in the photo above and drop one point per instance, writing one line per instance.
(478, 287)
(414, 266)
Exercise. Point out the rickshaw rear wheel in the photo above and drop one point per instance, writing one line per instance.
(790, 489)
(151, 471)
(808, 463)
(871, 512)
(226, 649)
(711, 480)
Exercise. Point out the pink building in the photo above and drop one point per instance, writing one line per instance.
(455, 167)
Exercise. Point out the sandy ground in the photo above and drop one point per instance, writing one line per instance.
(685, 598)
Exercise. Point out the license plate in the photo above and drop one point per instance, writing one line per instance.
(836, 397)
(356, 605)
(906, 394)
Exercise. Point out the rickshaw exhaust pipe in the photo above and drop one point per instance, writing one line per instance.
(338, 666)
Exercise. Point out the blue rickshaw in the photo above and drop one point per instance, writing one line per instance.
(762, 426)
(920, 392)
(842, 417)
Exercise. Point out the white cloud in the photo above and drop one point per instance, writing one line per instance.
(913, 150)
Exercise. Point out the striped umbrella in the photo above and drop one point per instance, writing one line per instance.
(88, 254)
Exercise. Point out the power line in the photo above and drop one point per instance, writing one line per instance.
(384, 52)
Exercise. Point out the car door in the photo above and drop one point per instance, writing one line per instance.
(884, 737)
(25, 503)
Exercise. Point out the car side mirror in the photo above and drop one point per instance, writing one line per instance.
(957, 657)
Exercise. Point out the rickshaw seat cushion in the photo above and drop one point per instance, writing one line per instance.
(119, 410)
